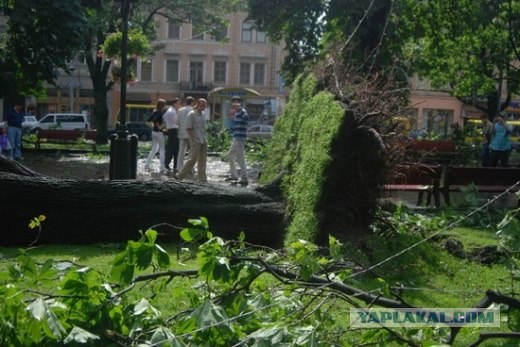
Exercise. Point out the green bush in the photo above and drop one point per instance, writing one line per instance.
(219, 138)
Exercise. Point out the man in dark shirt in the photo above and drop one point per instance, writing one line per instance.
(15, 118)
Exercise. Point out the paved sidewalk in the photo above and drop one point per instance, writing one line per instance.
(216, 170)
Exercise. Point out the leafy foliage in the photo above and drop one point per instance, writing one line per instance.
(238, 296)
(137, 44)
(36, 43)
(308, 27)
(219, 138)
(472, 56)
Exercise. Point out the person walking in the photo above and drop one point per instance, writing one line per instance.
(500, 145)
(172, 130)
(157, 136)
(236, 152)
(487, 132)
(184, 137)
(15, 118)
(196, 128)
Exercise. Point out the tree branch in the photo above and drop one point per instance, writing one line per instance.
(320, 281)
(485, 336)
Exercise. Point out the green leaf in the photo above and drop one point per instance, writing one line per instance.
(28, 266)
(335, 248)
(162, 335)
(120, 258)
(151, 235)
(141, 306)
(190, 234)
(123, 273)
(141, 254)
(38, 309)
(79, 335)
(163, 259)
(208, 314)
(204, 222)
(54, 325)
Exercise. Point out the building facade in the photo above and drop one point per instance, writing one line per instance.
(241, 61)
(433, 112)
(196, 64)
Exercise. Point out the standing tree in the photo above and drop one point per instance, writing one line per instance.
(41, 36)
(44, 35)
(309, 27)
(104, 19)
(472, 47)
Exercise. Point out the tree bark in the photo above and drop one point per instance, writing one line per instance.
(92, 211)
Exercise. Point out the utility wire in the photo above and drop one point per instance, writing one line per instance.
(450, 226)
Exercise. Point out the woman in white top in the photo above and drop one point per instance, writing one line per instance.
(157, 136)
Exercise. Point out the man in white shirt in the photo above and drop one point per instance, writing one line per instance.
(184, 142)
(172, 128)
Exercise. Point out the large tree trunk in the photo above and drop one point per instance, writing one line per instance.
(98, 69)
(82, 212)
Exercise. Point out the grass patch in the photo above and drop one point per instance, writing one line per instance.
(472, 238)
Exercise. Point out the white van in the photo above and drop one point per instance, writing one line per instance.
(62, 121)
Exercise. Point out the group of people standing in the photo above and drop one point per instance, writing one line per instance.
(497, 144)
(185, 128)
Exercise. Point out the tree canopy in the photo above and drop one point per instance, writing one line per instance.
(469, 46)
(309, 26)
(41, 36)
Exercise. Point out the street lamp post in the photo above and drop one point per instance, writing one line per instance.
(123, 148)
(71, 90)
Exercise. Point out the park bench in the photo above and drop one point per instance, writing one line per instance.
(430, 151)
(417, 178)
(65, 137)
(486, 179)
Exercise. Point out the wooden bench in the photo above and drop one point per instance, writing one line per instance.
(440, 152)
(417, 178)
(65, 137)
(486, 179)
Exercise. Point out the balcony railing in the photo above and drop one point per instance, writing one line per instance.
(195, 86)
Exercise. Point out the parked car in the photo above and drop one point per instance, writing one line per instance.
(260, 131)
(61, 121)
(30, 121)
(142, 130)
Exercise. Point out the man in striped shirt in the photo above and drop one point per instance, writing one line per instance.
(236, 152)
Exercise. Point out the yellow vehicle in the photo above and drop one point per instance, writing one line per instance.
(136, 113)
(473, 130)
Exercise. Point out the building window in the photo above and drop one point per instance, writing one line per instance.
(172, 70)
(174, 31)
(247, 31)
(245, 73)
(438, 122)
(259, 74)
(261, 37)
(220, 72)
(196, 33)
(196, 71)
(146, 70)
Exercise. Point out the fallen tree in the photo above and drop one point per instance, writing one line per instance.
(92, 211)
